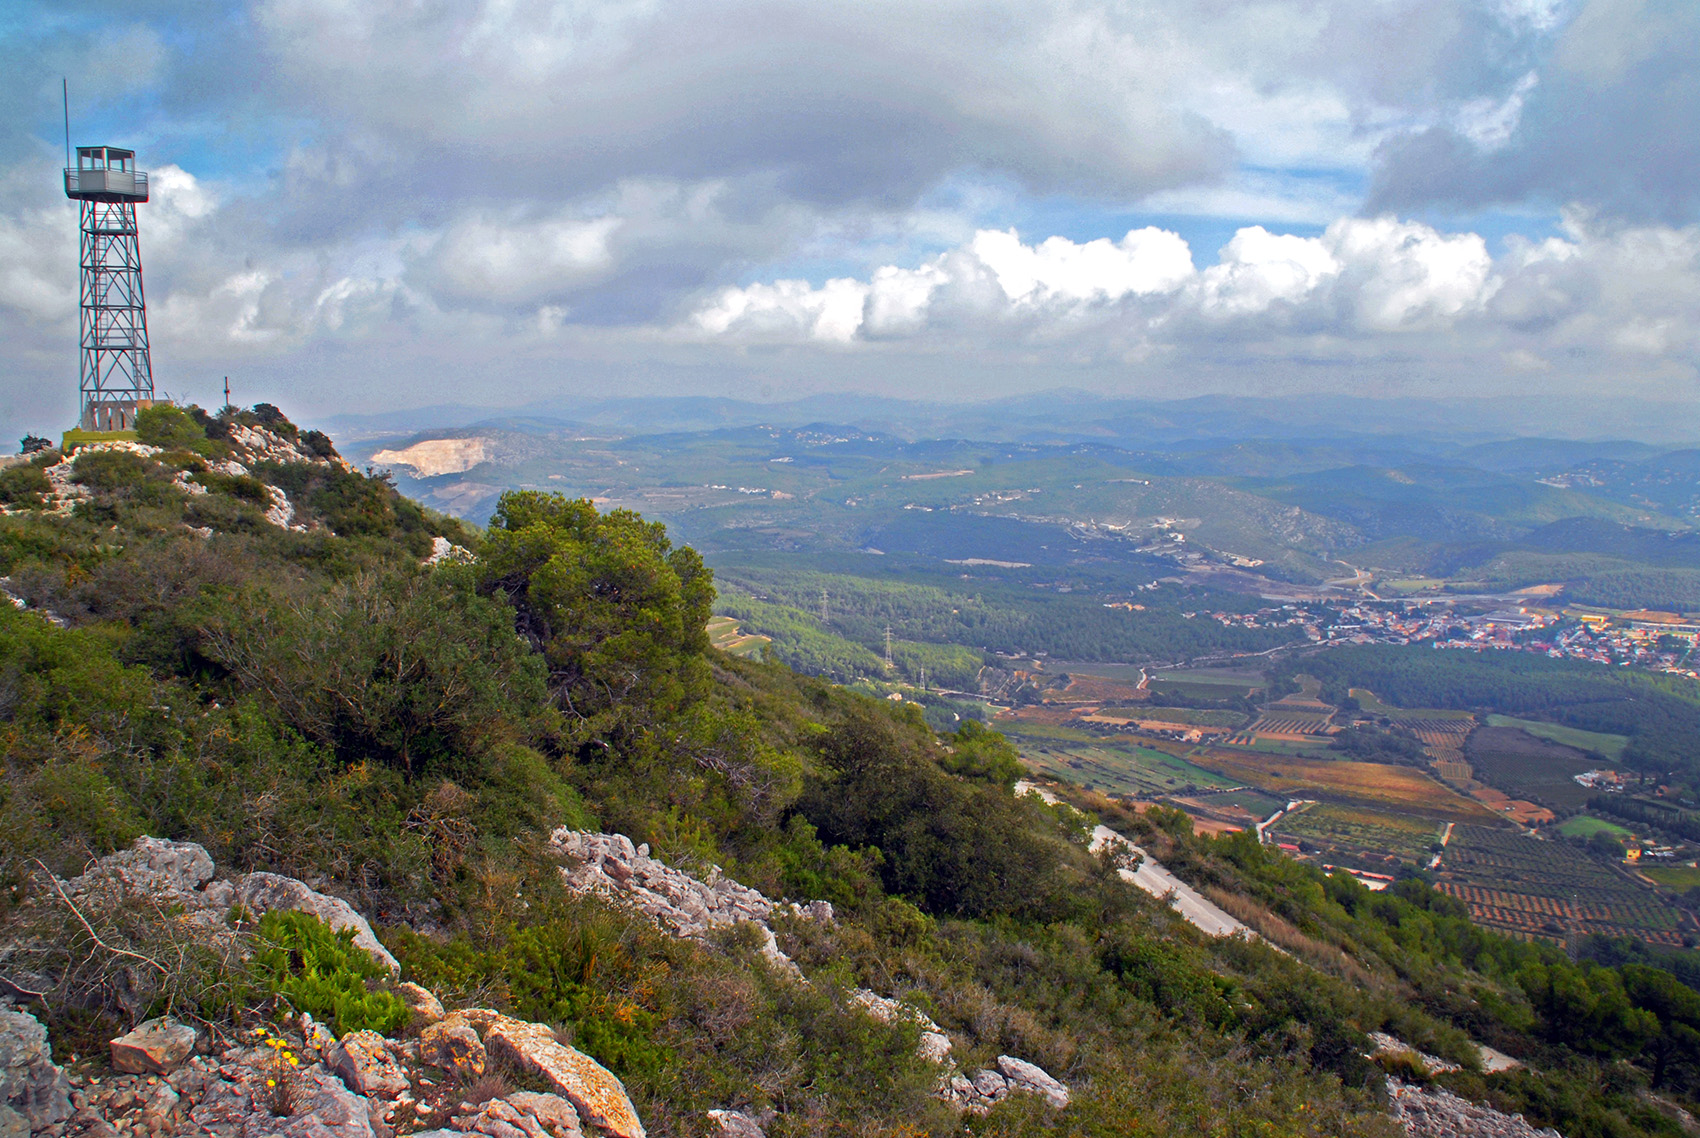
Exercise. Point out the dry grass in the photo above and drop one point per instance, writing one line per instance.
(1096, 689)
(1404, 787)
(1326, 957)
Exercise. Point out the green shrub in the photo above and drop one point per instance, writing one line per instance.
(951, 845)
(582, 972)
(242, 486)
(168, 427)
(117, 477)
(321, 972)
(23, 485)
(268, 416)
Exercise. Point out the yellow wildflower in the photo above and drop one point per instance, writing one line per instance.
(271, 1082)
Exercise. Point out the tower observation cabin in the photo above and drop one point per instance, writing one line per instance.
(116, 374)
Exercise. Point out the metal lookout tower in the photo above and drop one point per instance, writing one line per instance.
(116, 377)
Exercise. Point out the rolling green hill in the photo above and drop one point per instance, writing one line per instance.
(289, 667)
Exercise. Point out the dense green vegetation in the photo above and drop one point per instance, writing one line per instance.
(947, 626)
(1669, 589)
(1660, 714)
(322, 973)
(1506, 992)
(317, 702)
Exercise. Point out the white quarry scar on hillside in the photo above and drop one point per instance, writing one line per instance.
(437, 456)
(1158, 881)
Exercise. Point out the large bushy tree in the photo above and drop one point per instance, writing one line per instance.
(616, 611)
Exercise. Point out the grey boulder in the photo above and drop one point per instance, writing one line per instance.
(31, 1087)
(156, 1047)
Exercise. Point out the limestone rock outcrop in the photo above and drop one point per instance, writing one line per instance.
(521, 1113)
(363, 1061)
(1389, 1045)
(424, 1005)
(34, 1093)
(596, 1093)
(978, 1092)
(155, 1047)
(453, 1047)
(162, 872)
(1426, 1112)
(609, 865)
(263, 892)
(934, 1045)
(736, 1124)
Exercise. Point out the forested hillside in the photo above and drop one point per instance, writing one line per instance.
(930, 615)
(225, 635)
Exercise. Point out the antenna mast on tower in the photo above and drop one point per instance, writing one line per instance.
(888, 646)
(116, 374)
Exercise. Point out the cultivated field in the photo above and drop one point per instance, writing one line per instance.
(1370, 705)
(1609, 746)
(1521, 764)
(1443, 739)
(1083, 689)
(1547, 890)
(1405, 789)
(1584, 826)
(1196, 717)
(724, 634)
(1362, 832)
(1286, 725)
(1110, 766)
(1244, 679)
(1676, 878)
(1519, 810)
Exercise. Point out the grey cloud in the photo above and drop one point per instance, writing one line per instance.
(871, 101)
(1614, 123)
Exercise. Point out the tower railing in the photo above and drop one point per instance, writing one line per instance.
(128, 185)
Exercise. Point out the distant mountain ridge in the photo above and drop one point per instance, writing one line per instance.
(1075, 416)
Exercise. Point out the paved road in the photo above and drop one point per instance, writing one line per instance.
(1152, 877)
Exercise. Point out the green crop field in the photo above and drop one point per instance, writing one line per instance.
(1198, 717)
(1361, 831)
(1111, 766)
(1252, 801)
(1370, 705)
(1676, 878)
(1611, 746)
(1583, 826)
(1220, 677)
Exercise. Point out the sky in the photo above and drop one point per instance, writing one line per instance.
(361, 205)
